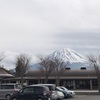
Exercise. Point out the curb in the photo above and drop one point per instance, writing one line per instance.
(87, 93)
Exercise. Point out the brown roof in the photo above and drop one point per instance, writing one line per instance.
(69, 73)
(4, 73)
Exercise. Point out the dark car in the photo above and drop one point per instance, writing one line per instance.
(32, 93)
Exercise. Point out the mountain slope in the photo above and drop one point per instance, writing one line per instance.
(67, 54)
(76, 60)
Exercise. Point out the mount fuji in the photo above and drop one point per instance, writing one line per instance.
(67, 54)
(75, 59)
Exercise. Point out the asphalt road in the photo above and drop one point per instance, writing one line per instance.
(85, 97)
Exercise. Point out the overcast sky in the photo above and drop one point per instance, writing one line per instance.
(43, 26)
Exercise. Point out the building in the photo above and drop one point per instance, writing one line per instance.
(72, 79)
(4, 74)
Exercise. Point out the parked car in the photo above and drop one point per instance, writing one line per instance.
(66, 94)
(6, 90)
(32, 93)
(50, 86)
(72, 93)
(55, 95)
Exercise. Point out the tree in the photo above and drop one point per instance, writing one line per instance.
(47, 66)
(94, 61)
(59, 66)
(40, 75)
(11, 71)
(2, 56)
(22, 66)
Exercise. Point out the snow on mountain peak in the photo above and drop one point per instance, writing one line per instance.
(67, 54)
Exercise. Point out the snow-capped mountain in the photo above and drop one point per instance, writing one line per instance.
(76, 60)
(67, 54)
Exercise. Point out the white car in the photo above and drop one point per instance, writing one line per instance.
(72, 93)
(56, 95)
(53, 95)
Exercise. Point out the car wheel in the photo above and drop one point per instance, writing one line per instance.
(14, 99)
(49, 98)
(40, 99)
(8, 97)
(58, 99)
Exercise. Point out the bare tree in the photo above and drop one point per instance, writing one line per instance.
(41, 74)
(59, 66)
(94, 61)
(2, 56)
(12, 71)
(22, 66)
(47, 66)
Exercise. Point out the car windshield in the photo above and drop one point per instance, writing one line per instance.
(59, 88)
(63, 88)
(50, 86)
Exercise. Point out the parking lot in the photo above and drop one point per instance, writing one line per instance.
(85, 97)
(34, 91)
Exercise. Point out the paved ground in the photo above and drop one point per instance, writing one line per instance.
(87, 92)
(85, 97)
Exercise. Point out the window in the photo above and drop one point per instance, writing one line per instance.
(38, 89)
(7, 86)
(28, 90)
(18, 86)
